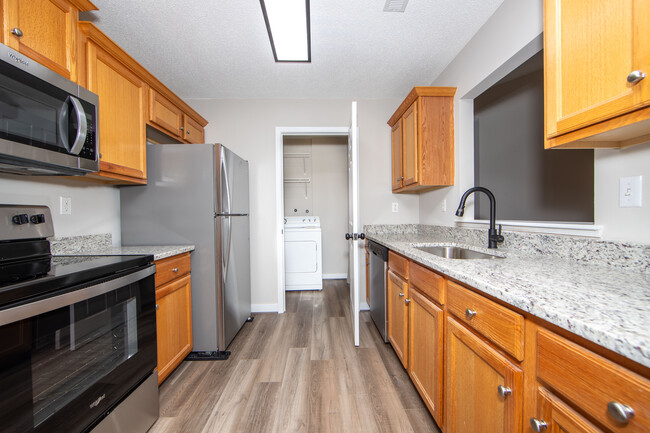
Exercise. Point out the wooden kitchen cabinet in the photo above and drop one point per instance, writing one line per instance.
(422, 140)
(589, 101)
(173, 313)
(45, 31)
(484, 390)
(193, 130)
(426, 342)
(122, 107)
(169, 118)
(555, 416)
(397, 293)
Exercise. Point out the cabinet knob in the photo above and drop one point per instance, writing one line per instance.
(538, 425)
(157, 307)
(175, 270)
(635, 77)
(401, 295)
(188, 131)
(504, 391)
(182, 128)
(17, 32)
(620, 412)
(469, 313)
(407, 301)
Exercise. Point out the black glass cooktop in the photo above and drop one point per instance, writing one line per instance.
(25, 281)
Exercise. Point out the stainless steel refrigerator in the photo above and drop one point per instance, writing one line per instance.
(198, 194)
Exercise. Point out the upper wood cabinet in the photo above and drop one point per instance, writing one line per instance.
(122, 107)
(169, 117)
(592, 51)
(44, 30)
(422, 140)
(193, 130)
(484, 389)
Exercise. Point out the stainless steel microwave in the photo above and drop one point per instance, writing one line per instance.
(48, 124)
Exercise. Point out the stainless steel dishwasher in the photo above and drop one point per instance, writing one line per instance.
(378, 269)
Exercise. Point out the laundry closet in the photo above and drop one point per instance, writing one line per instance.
(315, 174)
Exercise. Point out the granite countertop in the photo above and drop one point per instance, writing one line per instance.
(607, 305)
(102, 245)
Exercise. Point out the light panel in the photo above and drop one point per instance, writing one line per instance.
(287, 22)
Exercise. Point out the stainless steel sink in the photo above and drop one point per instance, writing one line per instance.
(453, 252)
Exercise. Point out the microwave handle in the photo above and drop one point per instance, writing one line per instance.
(82, 129)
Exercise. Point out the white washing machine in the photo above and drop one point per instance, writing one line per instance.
(303, 253)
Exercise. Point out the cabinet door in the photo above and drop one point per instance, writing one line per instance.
(398, 316)
(396, 155)
(586, 71)
(425, 354)
(193, 131)
(165, 115)
(173, 324)
(410, 145)
(475, 373)
(122, 96)
(49, 32)
(558, 417)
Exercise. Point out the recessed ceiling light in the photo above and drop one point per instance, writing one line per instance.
(395, 5)
(287, 22)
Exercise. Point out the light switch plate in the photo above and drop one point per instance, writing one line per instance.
(630, 191)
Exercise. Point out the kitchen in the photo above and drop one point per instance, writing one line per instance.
(243, 124)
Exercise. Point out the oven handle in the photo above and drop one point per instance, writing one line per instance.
(21, 312)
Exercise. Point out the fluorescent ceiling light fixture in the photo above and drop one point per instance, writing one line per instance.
(287, 22)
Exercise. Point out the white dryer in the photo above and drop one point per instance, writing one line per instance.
(303, 253)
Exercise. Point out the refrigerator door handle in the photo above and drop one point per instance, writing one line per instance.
(224, 175)
(227, 255)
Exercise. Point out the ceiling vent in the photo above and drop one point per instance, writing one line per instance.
(395, 5)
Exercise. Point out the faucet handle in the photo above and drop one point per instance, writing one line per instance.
(498, 236)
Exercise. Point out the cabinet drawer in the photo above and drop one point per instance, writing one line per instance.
(591, 382)
(503, 327)
(398, 264)
(427, 282)
(171, 268)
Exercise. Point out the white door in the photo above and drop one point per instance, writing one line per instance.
(353, 221)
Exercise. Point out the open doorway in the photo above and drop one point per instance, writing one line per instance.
(312, 181)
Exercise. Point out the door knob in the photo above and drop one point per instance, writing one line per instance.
(635, 77)
(348, 236)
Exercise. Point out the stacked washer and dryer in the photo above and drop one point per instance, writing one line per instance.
(303, 253)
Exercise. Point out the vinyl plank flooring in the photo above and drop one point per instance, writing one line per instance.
(297, 372)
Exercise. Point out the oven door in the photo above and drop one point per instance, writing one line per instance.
(66, 360)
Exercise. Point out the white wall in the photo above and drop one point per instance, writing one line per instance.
(330, 181)
(508, 38)
(248, 128)
(95, 207)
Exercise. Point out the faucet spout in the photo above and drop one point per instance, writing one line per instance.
(494, 237)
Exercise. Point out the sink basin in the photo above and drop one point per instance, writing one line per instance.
(452, 252)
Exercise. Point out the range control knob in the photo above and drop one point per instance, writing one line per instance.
(37, 219)
(20, 219)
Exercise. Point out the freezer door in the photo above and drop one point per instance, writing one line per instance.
(232, 183)
(233, 276)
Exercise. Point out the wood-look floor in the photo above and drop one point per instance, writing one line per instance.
(297, 372)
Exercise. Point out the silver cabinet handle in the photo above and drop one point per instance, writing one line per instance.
(401, 295)
(504, 391)
(157, 307)
(538, 424)
(635, 77)
(407, 301)
(470, 313)
(182, 128)
(188, 131)
(175, 270)
(620, 412)
(17, 32)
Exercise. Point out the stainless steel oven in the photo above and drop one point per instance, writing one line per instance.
(48, 124)
(77, 334)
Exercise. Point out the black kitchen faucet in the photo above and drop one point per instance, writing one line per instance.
(494, 237)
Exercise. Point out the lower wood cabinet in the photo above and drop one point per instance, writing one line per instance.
(426, 342)
(398, 315)
(484, 389)
(173, 313)
(555, 416)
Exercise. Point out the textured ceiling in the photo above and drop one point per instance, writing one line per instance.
(219, 49)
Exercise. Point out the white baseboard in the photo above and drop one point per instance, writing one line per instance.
(335, 276)
(264, 308)
(363, 306)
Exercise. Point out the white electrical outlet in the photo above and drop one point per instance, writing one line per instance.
(443, 205)
(630, 191)
(66, 205)
(395, 207)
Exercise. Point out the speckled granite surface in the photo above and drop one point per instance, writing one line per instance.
(604, 300)
(101, 245)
